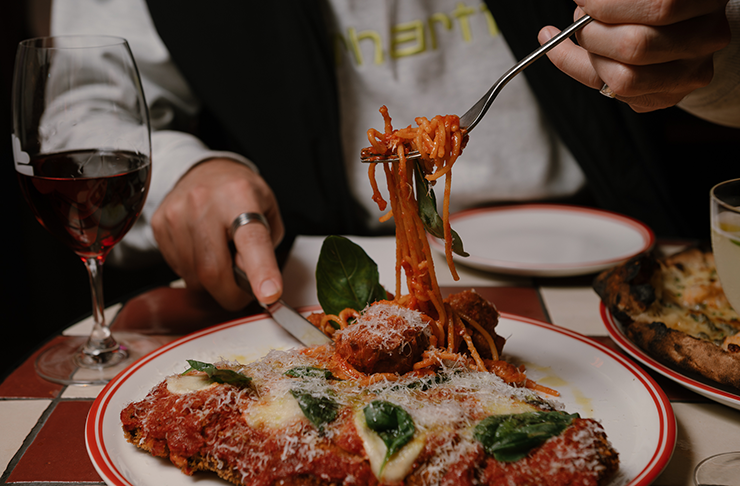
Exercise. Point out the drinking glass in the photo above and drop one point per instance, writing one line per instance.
(82, 150)
(725, 218)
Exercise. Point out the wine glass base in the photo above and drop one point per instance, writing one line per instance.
(721, 469)
(64, 363)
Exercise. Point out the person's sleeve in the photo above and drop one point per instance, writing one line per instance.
(719, 101)
(173, 108)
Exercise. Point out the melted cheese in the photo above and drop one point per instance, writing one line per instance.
(508, 407)
(679, 319)
(698, 288)
(399, 464)
(692, 302)
(273, 411)
(182, 384)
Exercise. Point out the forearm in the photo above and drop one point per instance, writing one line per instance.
(719, 101)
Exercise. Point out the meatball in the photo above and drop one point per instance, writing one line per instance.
(470, 304)
(386, 338)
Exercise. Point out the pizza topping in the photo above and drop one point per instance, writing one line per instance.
(218, 375)
(577, 456)
(319, 409)
(392, 423)
(693, 323)
(510, 437)
(182, 384)
(732, 343)
(273, 411)
(310, 372)
(389, 468)
(695, 285)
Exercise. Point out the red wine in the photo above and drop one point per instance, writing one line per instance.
(88, 198)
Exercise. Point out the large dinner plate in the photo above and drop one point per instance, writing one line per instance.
(592, 379)
(546, 240)
(708, 388)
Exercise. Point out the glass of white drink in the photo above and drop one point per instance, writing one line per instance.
(724, 468)
(725, 217)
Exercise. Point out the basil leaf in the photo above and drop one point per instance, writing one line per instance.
(433, 223)
(510, 437)
(319, 410)
(392, 423)
(310, 372)
(219, 375)
(423, 384)
(346, 277)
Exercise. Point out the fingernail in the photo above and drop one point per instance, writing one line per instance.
(545, 35)
(269, 289)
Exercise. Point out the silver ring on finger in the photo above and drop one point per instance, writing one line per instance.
(607, 91)
(246, 218)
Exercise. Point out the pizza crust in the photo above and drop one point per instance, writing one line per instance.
(686, 352)
(630, 288)
(654, 297)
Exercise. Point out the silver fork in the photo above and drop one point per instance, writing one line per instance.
(474, 115)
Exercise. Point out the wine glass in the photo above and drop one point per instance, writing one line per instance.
(82, 154)
(725, 219)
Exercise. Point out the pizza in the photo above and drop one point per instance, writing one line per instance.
(673, 307)
(310, 417)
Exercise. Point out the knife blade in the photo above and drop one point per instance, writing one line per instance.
(287, 317)
(297, 325)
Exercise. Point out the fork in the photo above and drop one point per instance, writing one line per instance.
(474, 115)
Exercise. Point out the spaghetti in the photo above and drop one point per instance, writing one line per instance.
(439, 142)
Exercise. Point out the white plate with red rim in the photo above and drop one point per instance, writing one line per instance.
(546, 240)
(707, 388)
(593, 380)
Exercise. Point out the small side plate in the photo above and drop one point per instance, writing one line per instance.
(546, 240)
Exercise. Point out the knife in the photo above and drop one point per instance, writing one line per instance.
(287, 317)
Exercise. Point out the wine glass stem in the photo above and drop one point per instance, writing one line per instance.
(100, 344)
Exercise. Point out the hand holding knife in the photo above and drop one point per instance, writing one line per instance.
(287, 317)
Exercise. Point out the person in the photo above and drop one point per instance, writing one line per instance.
(263, 110)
